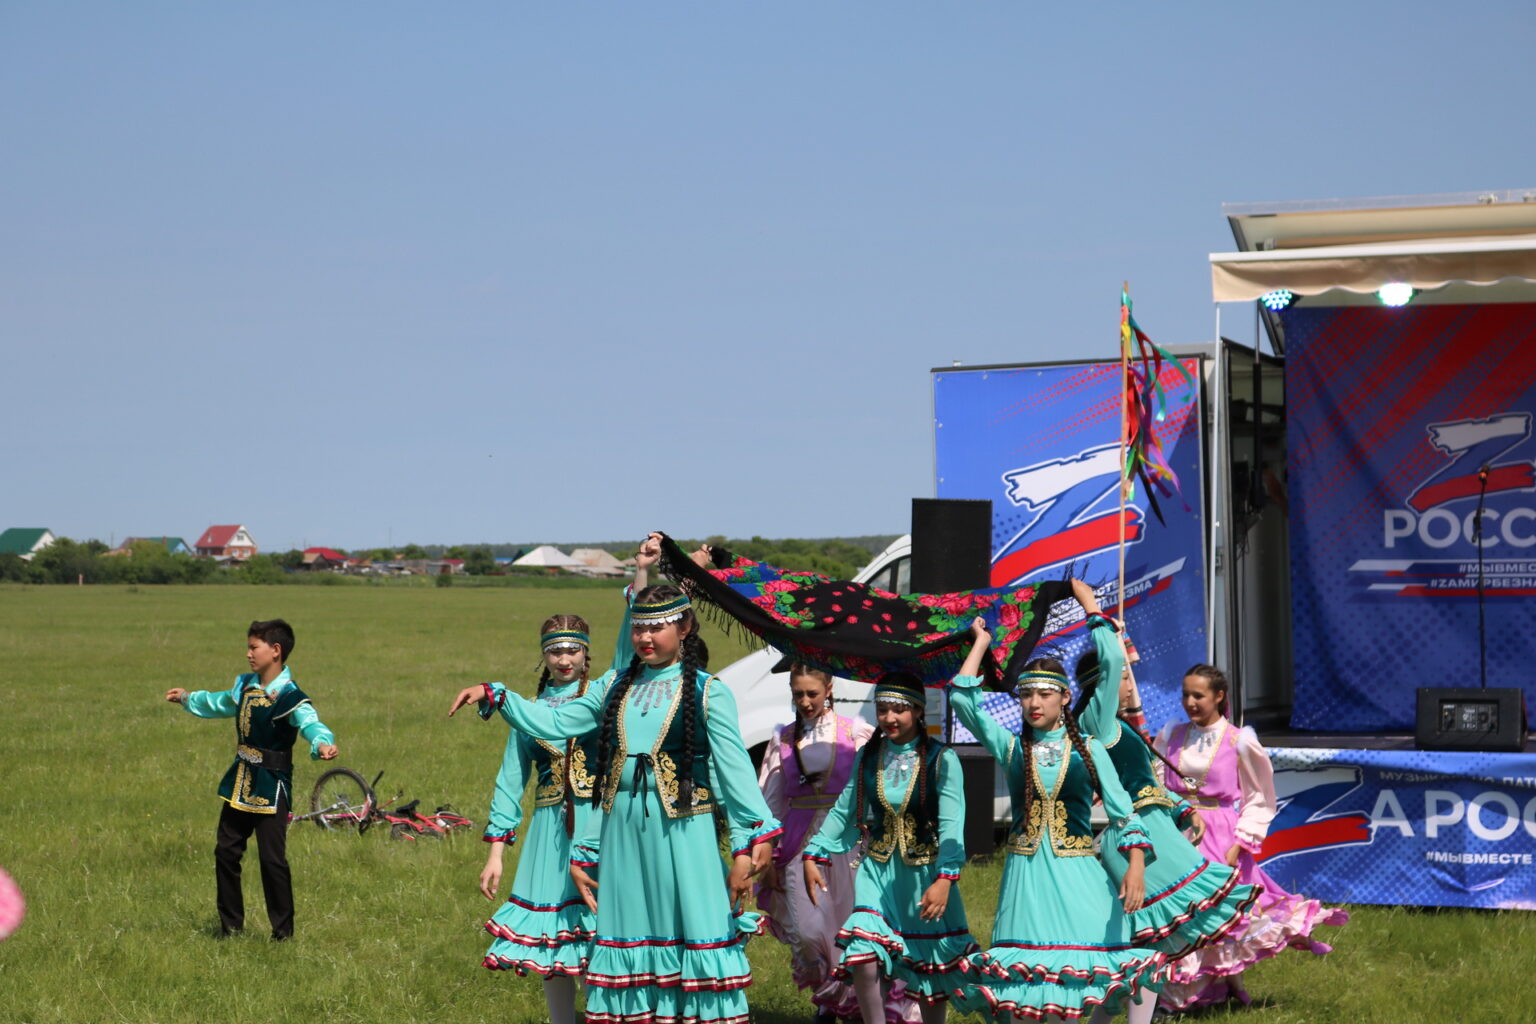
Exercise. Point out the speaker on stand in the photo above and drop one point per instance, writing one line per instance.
(951, 551)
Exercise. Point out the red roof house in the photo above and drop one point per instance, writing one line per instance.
(325, 558)
(226, 542)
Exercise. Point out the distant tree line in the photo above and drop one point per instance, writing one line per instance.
(147, 561)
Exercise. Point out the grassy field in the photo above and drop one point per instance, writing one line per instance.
(109, 811)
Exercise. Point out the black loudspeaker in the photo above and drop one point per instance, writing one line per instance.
(1469, 718)
(980, 773)
(951, 545)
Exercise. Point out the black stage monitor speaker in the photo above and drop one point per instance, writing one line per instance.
(980, 774)
(1469, 718)
(951, 545)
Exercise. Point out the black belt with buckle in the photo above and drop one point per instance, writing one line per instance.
(272, 760)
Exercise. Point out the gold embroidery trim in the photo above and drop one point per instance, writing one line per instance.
(1048, 815)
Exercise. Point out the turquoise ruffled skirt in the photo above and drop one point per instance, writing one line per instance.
(932, 958)
(1061, 943)
(669, 949)
(544, 928)
(1191, 902)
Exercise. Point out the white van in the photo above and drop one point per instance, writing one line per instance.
(762, 695)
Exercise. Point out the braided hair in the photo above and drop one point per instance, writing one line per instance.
(924, 812)
(1074, 736)
(870, 750)
(694, 656)
(577, 624)
(608, 728)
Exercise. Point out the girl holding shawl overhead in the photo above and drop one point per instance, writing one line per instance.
(907, 801)
(807, 767)
(1062, 945)
(1190, 902)
(669, 944)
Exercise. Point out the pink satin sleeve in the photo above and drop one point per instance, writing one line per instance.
(1257, 777)
(770, 779)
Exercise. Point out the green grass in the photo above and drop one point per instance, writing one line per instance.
(108, 812)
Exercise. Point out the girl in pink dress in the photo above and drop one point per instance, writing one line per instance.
(1225, 773)
(806, 767)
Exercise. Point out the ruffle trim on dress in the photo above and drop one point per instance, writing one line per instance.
(598, 1017)
(928, 978)
(1070, 991)
(546, 939)
(1207, 932)
(715, 965)
(1263, 936)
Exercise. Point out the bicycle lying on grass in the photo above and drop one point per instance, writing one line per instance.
(341, 799)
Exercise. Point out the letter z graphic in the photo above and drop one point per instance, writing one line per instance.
(1471, 445)
(1063, 494)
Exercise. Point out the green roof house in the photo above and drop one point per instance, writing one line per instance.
(175, 545)
(25, 541)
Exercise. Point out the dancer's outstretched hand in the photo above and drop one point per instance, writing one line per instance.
(935, 899)
(814, 883)
(176, 695)
(586, 885)
(327, 751)
(468, 695)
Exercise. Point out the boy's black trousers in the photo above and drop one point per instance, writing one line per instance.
(235, 828)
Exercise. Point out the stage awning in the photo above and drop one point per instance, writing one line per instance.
(1425, 264)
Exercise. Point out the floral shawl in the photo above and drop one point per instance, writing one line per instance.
(860, 632)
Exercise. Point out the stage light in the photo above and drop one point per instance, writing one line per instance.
(1395, 294)
(1277, 300)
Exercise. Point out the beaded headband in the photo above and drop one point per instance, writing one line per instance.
(1041, 680)
(564, 638)
(659, 613)
(900, 693)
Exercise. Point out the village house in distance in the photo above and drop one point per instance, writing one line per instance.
(231, 542)
(25, 541)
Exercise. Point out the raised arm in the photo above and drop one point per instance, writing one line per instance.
(1099, 716)
(965, 698)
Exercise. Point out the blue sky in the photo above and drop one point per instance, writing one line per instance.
(348, 273)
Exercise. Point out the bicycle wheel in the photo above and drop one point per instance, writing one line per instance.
(341, 799)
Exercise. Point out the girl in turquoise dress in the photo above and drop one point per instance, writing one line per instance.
(907, 800)
(1190, 901)
(1062, 945)
(669, 755)
(544, 927)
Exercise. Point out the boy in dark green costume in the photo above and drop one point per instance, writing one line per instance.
(270, 713)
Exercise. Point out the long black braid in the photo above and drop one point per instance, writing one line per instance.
(870, 751)
(608, 730)
(695, 655)
(927, 824)
(569, 799)
(1081, 746)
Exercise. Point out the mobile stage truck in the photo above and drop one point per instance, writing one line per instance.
(1324, 547)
